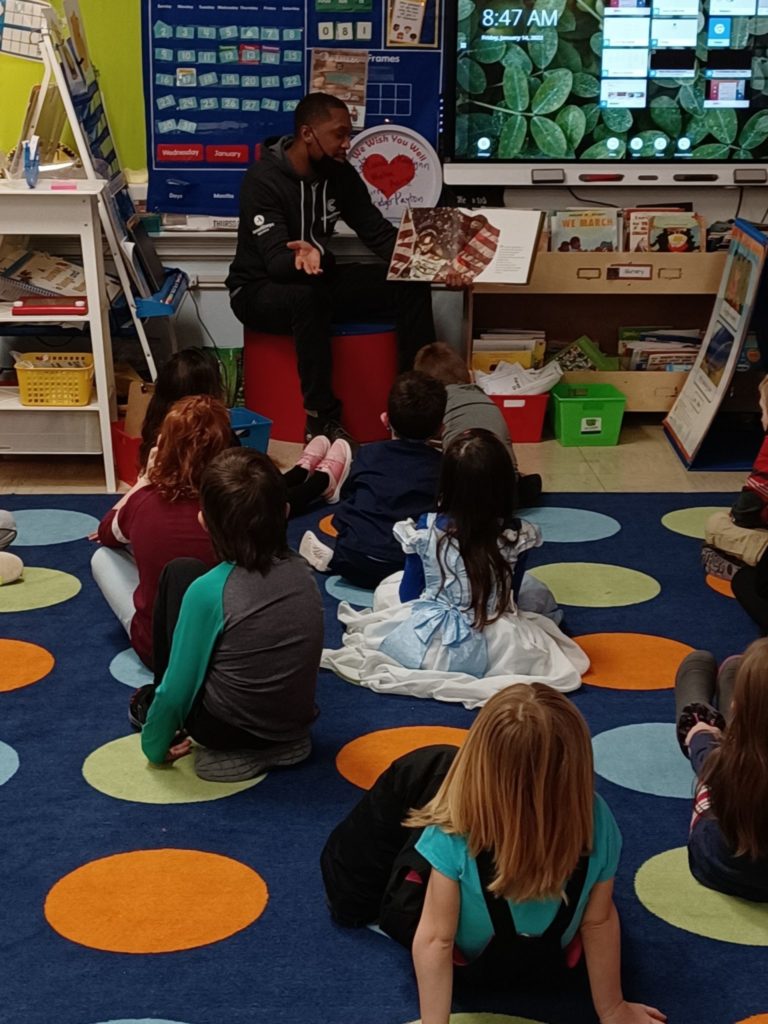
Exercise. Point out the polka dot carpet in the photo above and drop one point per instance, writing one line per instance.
(23, 664)
(364, 759)
(186, 902)
(187, 898)
(632, 661)
(119, 770)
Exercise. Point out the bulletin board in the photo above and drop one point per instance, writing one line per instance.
(221, 78)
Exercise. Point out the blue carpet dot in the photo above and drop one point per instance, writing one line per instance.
(127, 667)
(9, 763)
(571, 525)
(645, 758)
(141, 1020)
(51, 526)
(343, 591)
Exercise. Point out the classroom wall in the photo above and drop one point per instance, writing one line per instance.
(114, 39)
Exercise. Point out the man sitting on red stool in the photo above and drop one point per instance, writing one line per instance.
(284, 279)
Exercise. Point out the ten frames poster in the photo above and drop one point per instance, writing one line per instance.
(707, 383)
(489, 247)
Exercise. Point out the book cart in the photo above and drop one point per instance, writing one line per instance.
(569, 294)
(46, 429)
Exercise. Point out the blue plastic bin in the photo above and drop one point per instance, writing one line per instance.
(251, 429)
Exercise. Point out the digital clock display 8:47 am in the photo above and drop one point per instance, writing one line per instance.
(496, 20)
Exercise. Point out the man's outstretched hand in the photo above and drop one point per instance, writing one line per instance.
(306, 257)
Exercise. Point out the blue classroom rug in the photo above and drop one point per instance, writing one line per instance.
(95, 844)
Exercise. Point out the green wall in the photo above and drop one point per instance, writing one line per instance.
(114, 39)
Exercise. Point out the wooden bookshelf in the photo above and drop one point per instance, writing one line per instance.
(570, 294)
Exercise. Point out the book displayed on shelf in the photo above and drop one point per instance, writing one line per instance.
(495, 246)
(675, 232)
(585, 230)
(637, 226)
(30, 272)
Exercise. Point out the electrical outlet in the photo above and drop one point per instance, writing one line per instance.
(194, 281)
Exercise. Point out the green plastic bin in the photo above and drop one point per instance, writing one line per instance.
(587, 414)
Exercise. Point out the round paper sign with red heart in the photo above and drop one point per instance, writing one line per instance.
(399, 167)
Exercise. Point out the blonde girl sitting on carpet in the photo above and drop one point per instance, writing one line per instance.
(518, 810)
(460, 635)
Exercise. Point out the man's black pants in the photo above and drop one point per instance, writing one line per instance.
(349, 292)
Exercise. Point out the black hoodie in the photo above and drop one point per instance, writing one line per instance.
(278, 206)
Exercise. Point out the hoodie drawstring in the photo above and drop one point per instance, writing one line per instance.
(312, 220)
(302, 210)
(325, 207)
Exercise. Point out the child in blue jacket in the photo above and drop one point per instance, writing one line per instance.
(389, 481)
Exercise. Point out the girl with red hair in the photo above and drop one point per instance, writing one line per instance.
(157, 520)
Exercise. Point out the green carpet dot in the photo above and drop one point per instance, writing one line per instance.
(119, 769)
(690, 522)
(666, 887)
(594, 585)
(38, 588)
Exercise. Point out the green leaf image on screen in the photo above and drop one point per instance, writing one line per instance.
(529, 75)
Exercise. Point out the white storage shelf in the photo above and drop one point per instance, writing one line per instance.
(53, 430)
(47, 430)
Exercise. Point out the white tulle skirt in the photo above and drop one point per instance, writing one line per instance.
(520, 647)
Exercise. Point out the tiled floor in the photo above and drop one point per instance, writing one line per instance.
(644, 461)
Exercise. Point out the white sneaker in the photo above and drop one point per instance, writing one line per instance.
(313, 551)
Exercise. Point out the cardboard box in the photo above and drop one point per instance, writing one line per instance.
(646, 390)
(139, 397)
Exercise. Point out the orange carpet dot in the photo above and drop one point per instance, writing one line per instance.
(23, 664)
(155, 901)
(721, 586)
(632, 661)
(326, 526)
(760, 1018)
(363, 760)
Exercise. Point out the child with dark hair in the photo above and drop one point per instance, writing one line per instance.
(728, 748)
(468, 406)
(193, 371)
(388, 480)
(236, 649)
(460, 635)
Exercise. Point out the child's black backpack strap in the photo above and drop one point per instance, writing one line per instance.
(510, 954)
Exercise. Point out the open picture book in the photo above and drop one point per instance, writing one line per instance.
(491, 246)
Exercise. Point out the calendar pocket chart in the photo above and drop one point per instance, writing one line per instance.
(222, 78)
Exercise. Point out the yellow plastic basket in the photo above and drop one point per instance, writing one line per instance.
(65, 379)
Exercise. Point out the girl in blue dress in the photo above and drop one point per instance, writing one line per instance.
(452, 628)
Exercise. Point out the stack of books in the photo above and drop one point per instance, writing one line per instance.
(658, 348)
(508, 345)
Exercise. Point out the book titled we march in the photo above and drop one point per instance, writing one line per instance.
(585, 230)
(490, 246)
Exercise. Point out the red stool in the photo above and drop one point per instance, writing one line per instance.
(364, 367)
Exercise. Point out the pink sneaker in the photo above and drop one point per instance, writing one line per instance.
(336, 464)
(314, 453)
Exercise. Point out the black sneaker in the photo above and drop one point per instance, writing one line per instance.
(139, 706)
(329, 428)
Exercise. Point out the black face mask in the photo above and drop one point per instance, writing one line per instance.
(322, 165)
